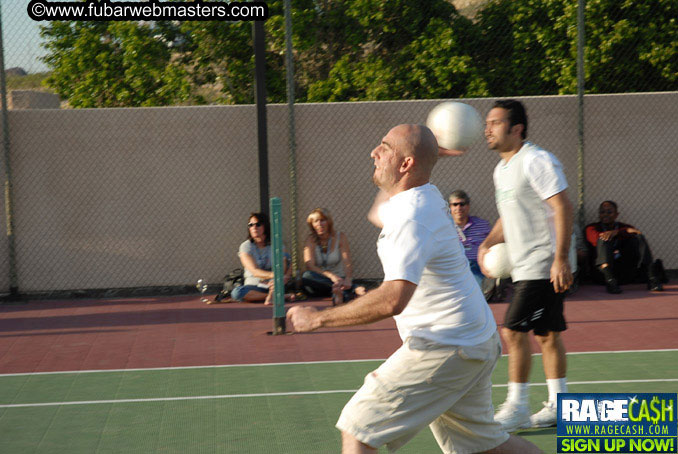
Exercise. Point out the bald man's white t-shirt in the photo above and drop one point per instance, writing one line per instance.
(419, 244)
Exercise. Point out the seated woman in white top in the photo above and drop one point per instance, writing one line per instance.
(255, 256)
(328, 260)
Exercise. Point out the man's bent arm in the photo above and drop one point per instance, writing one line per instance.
(389, 299)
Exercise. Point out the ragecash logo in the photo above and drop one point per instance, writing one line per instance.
(618, 423)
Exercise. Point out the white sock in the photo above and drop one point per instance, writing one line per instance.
(555, 386)
(518, 393)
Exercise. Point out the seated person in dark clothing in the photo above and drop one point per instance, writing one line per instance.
(620, 252)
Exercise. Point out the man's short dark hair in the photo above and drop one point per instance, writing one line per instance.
(517, 114)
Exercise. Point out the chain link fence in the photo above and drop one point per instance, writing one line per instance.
(631, 159)
(335, 168)
(130, 197)
(109, 198)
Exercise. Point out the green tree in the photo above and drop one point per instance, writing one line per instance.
(440, 63)
(631, 45)
(220, 53)
(524, 46)
(220, 60)
(529, 47)
(409, 50)
(347, 50)
(343, 50)
(112, 64)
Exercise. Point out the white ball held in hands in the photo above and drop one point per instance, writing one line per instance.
(497, 262)
(456, 125)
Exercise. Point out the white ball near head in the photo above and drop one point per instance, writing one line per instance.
(456, 125)
(497, 262)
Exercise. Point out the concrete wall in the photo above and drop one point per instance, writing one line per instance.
(32, 99)
(108, 198)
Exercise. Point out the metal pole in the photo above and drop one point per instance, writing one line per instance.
(260, 94)
(277, 262)
(581, 77)
(9, 208)
(292, 158)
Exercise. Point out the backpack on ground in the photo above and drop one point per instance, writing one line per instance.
(232, 280)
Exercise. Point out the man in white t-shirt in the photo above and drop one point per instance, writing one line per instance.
(535, 221)
(440, 376)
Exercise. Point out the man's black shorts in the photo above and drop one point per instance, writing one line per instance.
(535, 306)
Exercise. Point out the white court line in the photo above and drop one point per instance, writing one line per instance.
(299, 363)
(295, 393)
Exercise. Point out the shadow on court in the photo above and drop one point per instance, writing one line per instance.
(168, 316)
(66, 333)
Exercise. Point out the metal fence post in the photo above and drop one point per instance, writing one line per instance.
(581, 76)
(9, 211)
(292, 156)
(258, 35)
(278, 266)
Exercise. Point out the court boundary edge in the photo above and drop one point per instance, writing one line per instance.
(286, 394)
(299, 363)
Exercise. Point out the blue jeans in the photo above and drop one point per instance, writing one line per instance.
(317, 285)
(238, 293)
(475, 269)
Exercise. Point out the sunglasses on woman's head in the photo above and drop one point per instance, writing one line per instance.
(255, 224)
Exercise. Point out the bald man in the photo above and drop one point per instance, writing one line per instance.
(440, 376)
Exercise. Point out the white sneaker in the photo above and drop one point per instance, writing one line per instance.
(512, 416)
(546, 417)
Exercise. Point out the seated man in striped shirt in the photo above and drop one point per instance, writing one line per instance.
(472, 230)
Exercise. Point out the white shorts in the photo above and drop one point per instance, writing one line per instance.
(423, 383)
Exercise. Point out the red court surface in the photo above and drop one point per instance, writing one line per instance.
(94, 334)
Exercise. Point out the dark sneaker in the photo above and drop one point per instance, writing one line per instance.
(613, 287)
(655, 285)
(572, 289)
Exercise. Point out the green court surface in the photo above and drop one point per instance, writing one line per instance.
(285, 408)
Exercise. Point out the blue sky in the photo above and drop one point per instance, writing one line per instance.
(20, 37)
